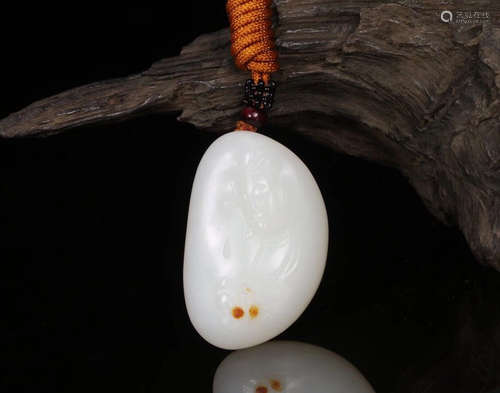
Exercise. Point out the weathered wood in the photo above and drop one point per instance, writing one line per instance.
(375, 79)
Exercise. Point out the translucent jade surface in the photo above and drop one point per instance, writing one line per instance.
(256, 241)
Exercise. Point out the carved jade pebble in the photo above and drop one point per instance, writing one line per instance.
(256, 241)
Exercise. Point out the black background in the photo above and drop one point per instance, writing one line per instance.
(92, 226)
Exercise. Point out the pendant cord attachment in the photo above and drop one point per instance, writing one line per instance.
(253, 49)
(252, 37)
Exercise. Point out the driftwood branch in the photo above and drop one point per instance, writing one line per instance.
(379, 80)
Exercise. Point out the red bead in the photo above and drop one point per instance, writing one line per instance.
(253, 116)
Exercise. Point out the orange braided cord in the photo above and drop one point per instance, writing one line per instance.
(252, 39)
(243, 126)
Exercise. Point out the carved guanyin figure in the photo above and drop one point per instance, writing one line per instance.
(256, 242)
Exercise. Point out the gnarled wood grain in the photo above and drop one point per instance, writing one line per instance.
(386, 81)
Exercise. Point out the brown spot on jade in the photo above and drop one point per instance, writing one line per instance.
(276, 385)
(261, 389)
(254, 311)
(238, 312)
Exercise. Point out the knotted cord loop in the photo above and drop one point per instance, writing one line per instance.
(252, 38)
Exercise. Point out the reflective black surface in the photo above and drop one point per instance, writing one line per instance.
(92, 226)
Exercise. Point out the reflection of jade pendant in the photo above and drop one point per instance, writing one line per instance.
(288, 366)
(256, 241)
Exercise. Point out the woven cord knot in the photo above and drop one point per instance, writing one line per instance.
(252, 38)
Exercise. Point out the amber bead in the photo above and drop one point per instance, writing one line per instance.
(253, 116)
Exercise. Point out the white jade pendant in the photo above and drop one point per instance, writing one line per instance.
(288, 366)
(256, 241)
